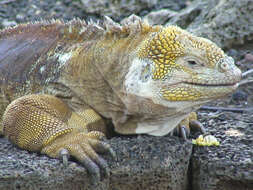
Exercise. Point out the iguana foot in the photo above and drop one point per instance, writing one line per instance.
(85, 148)
(186, 125)
(45, 124)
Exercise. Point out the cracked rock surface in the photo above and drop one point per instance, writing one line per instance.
(143, 163)
(229, 166)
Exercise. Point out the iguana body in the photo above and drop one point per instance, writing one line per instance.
(145, 79)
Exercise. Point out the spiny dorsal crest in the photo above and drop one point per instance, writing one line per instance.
(128, 26)
(79, 29)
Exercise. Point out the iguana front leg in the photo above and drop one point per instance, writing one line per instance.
(46, 124)
(187, 125)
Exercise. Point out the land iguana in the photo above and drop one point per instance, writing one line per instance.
(65, 80)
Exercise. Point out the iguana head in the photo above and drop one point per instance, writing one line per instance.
(174, 65)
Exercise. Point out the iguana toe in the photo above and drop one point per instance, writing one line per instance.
(187, 125)
(102, 147)
(196, 125)
(92, 154)
(184, 131)
(84, 147)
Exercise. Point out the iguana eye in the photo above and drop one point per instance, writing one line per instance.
(192, 62)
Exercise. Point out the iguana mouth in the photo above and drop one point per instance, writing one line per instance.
(213, 85)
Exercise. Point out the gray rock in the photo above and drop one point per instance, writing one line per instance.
(227, 23)
(122, 8)
(229, 166)
(7, 23)
(143, 163)
(33, 10)
(160, 16)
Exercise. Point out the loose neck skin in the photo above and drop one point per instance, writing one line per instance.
(97, 69)
(114, 54)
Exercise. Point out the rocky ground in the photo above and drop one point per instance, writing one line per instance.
(156, 163)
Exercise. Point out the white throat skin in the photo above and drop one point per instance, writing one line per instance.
(140, 85)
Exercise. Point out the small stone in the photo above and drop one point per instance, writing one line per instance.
(20, 17)
(8, 23)
(159, 17)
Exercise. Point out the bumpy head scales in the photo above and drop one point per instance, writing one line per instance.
(189, 67)
(172, 42)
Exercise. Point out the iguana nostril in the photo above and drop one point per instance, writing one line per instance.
(224, 66)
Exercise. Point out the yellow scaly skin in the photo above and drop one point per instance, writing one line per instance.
(64, 76)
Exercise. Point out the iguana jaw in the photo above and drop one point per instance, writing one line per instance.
(180, 90)
(223, 85)
(202, 83)
(196, 92)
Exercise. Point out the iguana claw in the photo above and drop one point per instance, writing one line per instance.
(184, 132)
(186, 125)
(196, 125)
(64, 155)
